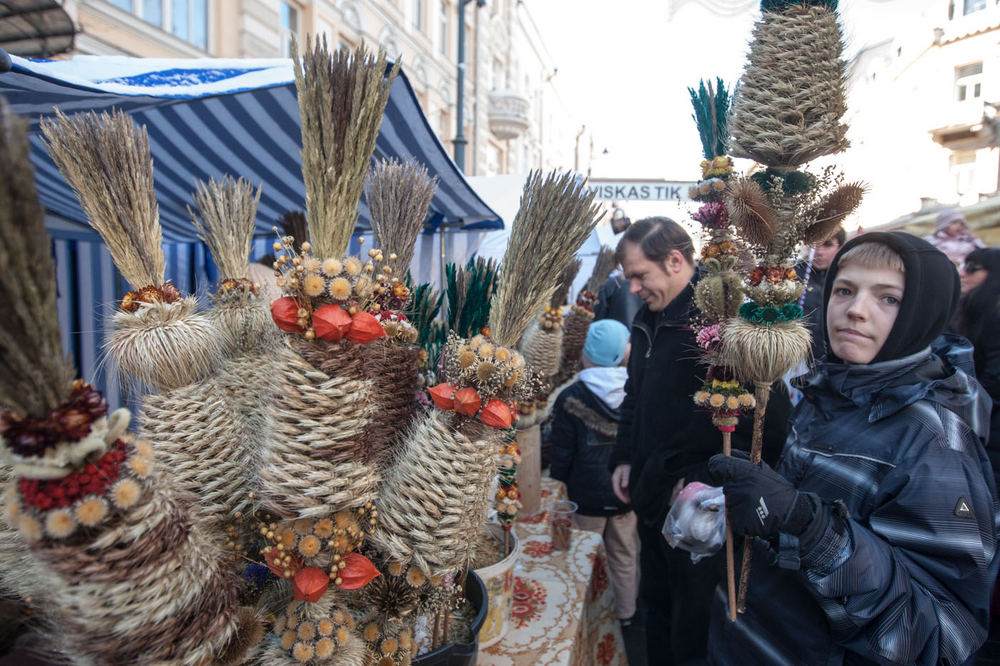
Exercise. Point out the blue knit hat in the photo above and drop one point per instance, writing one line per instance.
(607, 340)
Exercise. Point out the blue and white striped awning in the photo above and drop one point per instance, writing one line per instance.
(211, 117)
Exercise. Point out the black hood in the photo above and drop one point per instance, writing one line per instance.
(931, 290)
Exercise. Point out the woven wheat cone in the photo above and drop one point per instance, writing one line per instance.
(436, 494)
(242, 322)
(149, 587)
(318, 459)
(791, 95)
(529, 472)
(542, 349)
(575, 327)
(392, 369)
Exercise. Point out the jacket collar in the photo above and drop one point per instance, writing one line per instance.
(937, 373)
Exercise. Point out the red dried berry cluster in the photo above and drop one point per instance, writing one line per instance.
(168, 293)
(93, 479)
(67, 423)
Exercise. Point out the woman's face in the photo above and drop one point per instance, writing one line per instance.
(972, 274)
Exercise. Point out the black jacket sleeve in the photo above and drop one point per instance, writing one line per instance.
(622, 452)
(562, 440)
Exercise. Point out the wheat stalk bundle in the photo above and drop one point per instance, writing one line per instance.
(228, 209)
(561, 295)
(603, 266)
(342, 96)
(556, 216)
(399, 196)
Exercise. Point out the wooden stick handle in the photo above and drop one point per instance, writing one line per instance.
(762, 394)
(727, 449)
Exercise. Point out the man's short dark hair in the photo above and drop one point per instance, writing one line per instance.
(840, 236)
(657, 237)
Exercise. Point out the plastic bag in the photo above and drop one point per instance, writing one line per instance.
(697, 521)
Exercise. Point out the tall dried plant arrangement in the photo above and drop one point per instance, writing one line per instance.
(35, 375)
(342, 96)
(578, 320)
(107, 162)
(603, 265)
(399, 196)
(556, 216)
(157, 337)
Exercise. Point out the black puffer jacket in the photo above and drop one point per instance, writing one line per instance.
(580, 442)
(661, 433)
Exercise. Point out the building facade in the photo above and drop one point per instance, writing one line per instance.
(923, 110)
(514, 119)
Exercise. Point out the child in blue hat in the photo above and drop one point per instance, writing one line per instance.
(584, 425)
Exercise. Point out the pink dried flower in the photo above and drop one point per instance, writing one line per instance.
(712, 216)
(709, 337)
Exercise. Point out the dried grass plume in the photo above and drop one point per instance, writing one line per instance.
(832, 210)
(107, 162)
(342, 96)
(750, 211)
(556, 216)
(399, 196)
(228, 210)
(602, 269)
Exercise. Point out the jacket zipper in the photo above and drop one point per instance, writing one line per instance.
(649, 347)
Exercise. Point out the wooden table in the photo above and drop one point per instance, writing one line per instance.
(564, 605)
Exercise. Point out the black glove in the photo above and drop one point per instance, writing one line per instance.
(759, 501)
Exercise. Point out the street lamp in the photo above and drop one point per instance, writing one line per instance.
(460, 141)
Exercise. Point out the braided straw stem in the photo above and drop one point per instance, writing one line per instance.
(149, 586)
(575, 327)
(791, 96)
(318, 459)
(435, 496)
(392, 370)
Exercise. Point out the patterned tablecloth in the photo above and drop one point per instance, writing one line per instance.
(564, 606)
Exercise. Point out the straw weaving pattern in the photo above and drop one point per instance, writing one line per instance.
(575, 327)
(319, 459)
(242, 322)
(542, 350)
(436, 494)
(791, 96)
(148, 587)
(392, 369)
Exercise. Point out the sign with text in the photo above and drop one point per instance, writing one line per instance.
(640, 190)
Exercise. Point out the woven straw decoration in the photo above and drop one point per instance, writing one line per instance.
(575, 327)
(165, 345)
(791, 96)
(763, 354)
(392, 369)
(542, 349)
(437, 493)
(318, 459)
(146, 587)
(242, 321)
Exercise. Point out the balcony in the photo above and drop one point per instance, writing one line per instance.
(508, 114)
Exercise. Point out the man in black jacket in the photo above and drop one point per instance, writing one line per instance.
(663, 439)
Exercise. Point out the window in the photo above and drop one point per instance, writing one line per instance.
(289, 26)
(963, 171)
(152, 12)
(123, 4)
(418, 14)
(443, 28)
(969, 82)
(970, 6)
(189, 21)
(442, 124)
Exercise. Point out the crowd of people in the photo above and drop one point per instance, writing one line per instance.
(874, 515)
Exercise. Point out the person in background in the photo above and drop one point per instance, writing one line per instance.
(664, 441)
(614, 300)
(875, 537)
(584, 425)
(978, 320)
(812, 297)
(953, 236)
